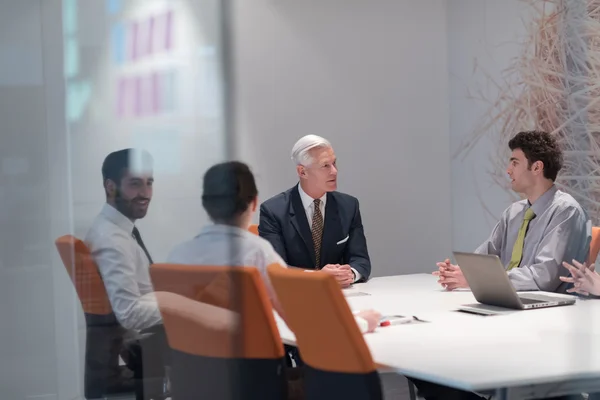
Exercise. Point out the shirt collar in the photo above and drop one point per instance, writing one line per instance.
(307, 201)
(542, 203)
(226, 229)
(114, 216)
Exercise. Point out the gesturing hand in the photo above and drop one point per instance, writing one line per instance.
(585, 279)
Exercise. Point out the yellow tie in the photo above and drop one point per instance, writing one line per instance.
(517, 252)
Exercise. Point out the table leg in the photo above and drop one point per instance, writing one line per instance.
(412, 391)
(501, 394)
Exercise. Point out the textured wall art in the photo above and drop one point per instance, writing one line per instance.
(552, 85)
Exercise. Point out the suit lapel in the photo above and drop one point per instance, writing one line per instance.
(300, 223)
(332, 230)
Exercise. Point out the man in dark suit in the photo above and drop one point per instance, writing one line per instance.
(313, 226)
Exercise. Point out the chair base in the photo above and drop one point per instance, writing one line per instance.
(123, 396)
(325, 385)
(195, 377)
(97, 385)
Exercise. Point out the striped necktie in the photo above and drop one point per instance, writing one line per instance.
(317, 232)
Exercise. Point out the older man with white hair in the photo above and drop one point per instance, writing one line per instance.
(312, 225)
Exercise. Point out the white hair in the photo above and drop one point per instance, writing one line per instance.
(300, 151)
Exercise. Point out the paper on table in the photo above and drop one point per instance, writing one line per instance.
(353, 291)
(356, 294)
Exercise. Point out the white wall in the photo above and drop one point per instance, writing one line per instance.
(38, 329)
(372, 78)
(483, 38)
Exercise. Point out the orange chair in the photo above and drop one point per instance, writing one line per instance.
(253, 228)
(338, 361)
(255, 348)
(104, 334)
(594, 245)
(85, 276)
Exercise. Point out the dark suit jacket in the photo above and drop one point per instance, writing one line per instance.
(283, 223)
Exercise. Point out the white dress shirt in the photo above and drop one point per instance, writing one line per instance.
(124, 269)
(309, 208)
(227, 245)
(362, 323)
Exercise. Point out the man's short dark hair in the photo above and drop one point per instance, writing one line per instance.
(117, 162)
(539, 146)
(228, 190)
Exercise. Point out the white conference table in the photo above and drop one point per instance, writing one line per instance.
(517, 355)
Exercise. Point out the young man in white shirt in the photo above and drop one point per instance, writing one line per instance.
(116, 244)
(123, 261)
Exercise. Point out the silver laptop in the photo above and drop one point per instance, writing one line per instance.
(490, 285)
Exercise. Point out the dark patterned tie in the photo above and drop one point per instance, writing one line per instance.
(138, 239)
(317, 232)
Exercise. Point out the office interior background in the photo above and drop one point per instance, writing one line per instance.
(401, 88)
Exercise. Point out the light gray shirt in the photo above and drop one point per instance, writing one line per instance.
(227, 245)
(124, 267)
(232, 246)
(560, 231)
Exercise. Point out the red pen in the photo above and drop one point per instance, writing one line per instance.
(395, 320)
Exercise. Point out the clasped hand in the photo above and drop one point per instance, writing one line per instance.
(450, 276)
(342, 273)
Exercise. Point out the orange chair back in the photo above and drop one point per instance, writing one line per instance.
(326, 332)
(187, 320)
(253, 229)
(84, 274)
(238, 289)
(594, 245)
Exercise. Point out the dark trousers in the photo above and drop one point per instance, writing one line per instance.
(149, 357)
(292, 354)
